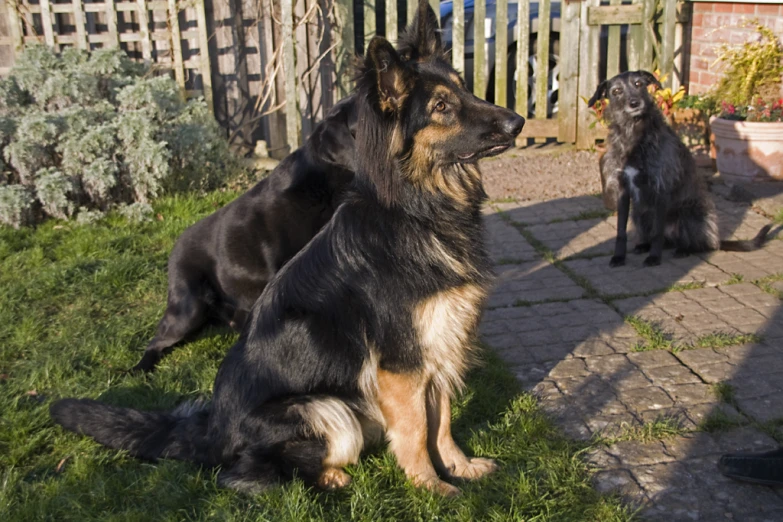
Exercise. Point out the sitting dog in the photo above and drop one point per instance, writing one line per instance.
(369, 328)
(220, 265)
(646, 162)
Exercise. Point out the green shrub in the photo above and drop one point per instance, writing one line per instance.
(81, 133)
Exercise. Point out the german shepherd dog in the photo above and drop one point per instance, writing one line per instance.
(646, 162)
(368, 330)
(220, 265)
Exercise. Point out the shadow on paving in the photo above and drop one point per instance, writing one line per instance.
(703, 355)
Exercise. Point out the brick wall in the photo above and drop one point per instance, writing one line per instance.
(714, 23)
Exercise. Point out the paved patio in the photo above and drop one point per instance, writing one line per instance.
(662, 369)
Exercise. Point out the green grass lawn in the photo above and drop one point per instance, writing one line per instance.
(77, 305)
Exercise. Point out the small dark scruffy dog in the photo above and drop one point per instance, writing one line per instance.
(646, 161)
(220, 265)
(370, 328)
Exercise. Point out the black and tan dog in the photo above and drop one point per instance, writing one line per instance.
(367, 330)
(220, 265)
(646, 162)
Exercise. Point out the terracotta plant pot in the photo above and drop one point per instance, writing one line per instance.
(750, 150)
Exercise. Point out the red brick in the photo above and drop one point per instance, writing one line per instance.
(723, 8)
(702, 7)
(768, 9)
(708, 79)
(697, 20)
(745, 8)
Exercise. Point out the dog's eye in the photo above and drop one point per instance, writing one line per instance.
(616, 92)
(440, 106)
(638, 83)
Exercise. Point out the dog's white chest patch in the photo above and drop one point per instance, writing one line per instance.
(630, 178)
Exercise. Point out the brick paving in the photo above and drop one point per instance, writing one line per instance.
(558, 317)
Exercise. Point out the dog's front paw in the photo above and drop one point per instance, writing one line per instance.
(652, 261)
(440, 487)
(617, 261)
(641, 248)
(474, 468)
(333, 478)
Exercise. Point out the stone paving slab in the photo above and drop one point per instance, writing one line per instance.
(634, 278)
(578, 356)
(585, 237)
(506, 245)
(539, 212)
(531, 282)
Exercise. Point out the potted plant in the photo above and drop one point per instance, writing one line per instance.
(747, 134)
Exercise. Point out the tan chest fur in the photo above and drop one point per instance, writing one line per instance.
(445, 324)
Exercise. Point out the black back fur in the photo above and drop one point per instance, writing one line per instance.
(219, 266)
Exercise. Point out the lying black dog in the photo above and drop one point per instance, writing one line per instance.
(220, 265)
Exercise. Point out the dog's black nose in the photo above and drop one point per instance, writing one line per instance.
(633, 104)
(513, 125)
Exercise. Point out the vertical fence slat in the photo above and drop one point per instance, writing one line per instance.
(16, 25)
(635, 43)
(345, 49)
(648, 35)
(523, 51)
(412, 6)
(46, 21)
(391, 20)
(289, 72)
(458, 36)
(176, 44)
(111, 24)
(542, 59)
(435, 4)
(369, 22)
(588, 74)
(479, 49)
(613, 47)
(666, 58)
(144, 30)
(569, 71)
(501, 53)
(78, 21)
(203, 42)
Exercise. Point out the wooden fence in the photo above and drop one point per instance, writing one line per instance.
(277, 65)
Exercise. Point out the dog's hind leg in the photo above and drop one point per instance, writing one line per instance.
(447, 457)
(185, 314)
(621, 241)
(402, 400)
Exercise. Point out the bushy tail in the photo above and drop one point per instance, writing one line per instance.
(180, 434)
(747, 245)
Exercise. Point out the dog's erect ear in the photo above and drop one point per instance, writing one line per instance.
(650, 79)
(600, 93)
(421, 39)
(391, 75)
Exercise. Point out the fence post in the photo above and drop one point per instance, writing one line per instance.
(613, 47)
(46, 21)
(16, 26)
(391, 21)
(501, 53)
(458, 36)
(666, 58)
(369, 22)
(176, 44)
(345, 47)
(648, 35)
(111, 25)
(78, 21)
(206, 67)
(289, 73)
(569, 71)
(542, 59)
(144, 31)
(479, 49)
(588, 75)
(523, 51)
